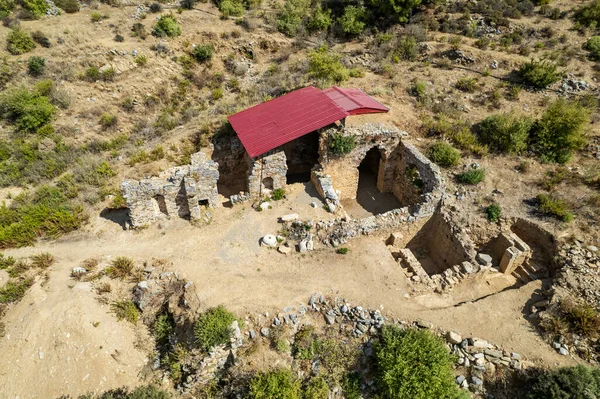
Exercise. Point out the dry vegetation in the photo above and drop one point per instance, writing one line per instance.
(491, 89)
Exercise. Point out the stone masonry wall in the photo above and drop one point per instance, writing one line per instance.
(182, 191)
(267, 173)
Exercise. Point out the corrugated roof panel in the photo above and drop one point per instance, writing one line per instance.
(271, 124)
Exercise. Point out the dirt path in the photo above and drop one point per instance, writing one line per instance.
(227, 266)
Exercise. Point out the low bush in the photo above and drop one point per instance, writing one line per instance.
(139, 30)
(467, 84)
(414, 364)
(143, 392)
(166, 26)
(589, 15)
(202, 53)
(507, 133)
(231, 8)
(126, 310)
(342, 144)
(155, 8)
(14, 291)
(36, 65)
(45, 213)
(107, 120)
(40, 38)
(568, 382)
(163, 327)
(141, 60)
(539, 74)
(37, 8)
(69, 6)
(278, 194)
(26, 109)
(582, 318)
(443, 154)
(320, 20)
(553, 207)
(493, 212)
(275, 384)
(6, 7)
(472, 176)
(120, 267)
(43, 260)
(19, 42)
(214, 327)
(560, 131)
(593, 46)
(316, 388)
(342, 251)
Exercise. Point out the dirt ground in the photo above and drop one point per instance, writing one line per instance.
(227, 266)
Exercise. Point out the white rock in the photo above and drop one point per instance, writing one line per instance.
(453, 338)
(269, 240)
(284, 249)
(290, 217)
(264, 206)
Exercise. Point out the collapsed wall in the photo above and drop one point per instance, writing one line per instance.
(267, 173)
(183, 191)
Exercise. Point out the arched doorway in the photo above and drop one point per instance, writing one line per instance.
(368, 196)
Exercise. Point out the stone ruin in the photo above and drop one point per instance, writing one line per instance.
(188, 192)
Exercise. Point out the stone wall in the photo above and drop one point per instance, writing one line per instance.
(183, 191)
(344, 169)
(267, 173)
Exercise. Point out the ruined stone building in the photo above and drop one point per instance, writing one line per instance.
(183, 191)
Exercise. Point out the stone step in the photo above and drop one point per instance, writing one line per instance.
(524, 275)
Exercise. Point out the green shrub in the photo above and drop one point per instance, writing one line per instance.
(36, 65)
(231, 8)
(91, 74)
(118, 202)
(352, 21)
(216, 94)
(107, 120)
(589, 15)
(326, 66)
(560, 131)
(14, 291)
(342, 144)
(493, 212)
(108, 74)
(202, 53)
(539, 74)
(166, 26)
(407, 49)
(320, 20)
(289, 19)
(316, 388)
(351, 386)
(155, 8)
(163, 327)
(45, 213)
(593, 46)
(69, 6)
(26, 109)
(413, 364)
(278, 194)
(395, 11)
(37, 8)
(43, 260)
(507, 133)
(342, 251)
(188, 4)
(120, 267)
(582, 318)
(467, 84)
(126, 310)
(443, 154)
(306, 343)
(213, 327)
(275, 384)
(472, 176)
(141, 60)
(577, 382)
(6, 7)
(19, 42)
(553, 207)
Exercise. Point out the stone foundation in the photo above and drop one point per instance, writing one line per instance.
(183, 191)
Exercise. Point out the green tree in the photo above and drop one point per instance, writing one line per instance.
(320, 20)
(275, 384)
(414, 364)
(326, 66)
(396, 10)
(292, 15)
(352, 21)
(560, 131)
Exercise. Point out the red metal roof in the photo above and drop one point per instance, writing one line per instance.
(271, 124)
(355, 101)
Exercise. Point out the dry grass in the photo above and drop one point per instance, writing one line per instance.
(43, 260)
